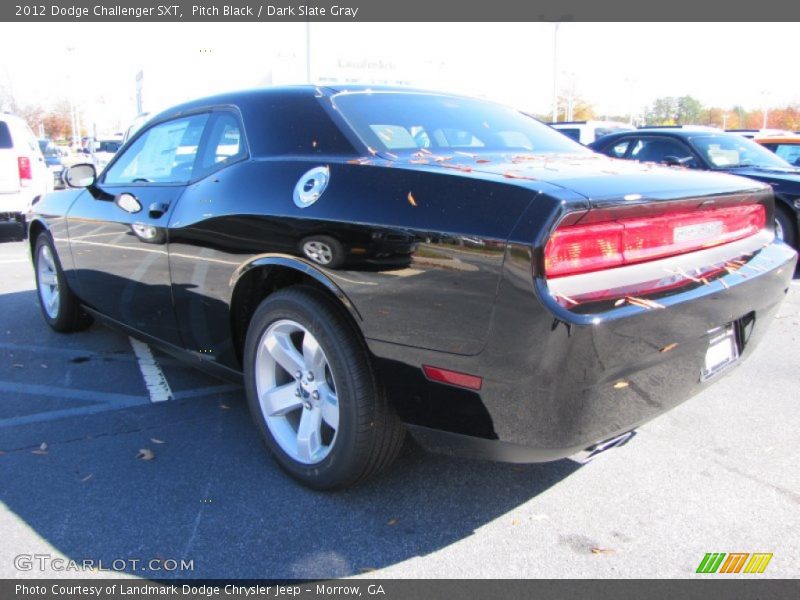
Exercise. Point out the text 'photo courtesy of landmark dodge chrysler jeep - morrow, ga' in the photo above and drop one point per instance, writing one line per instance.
(376, 261)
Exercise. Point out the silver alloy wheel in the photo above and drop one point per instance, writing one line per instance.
(778, 230)
(319, 252)
(296, 392)
(48, 281)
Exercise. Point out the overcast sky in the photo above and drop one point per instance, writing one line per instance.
(618, 67)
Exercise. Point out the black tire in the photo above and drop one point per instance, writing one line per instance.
(788, 224)
(69, 315)
(337, 251)
(369, 436)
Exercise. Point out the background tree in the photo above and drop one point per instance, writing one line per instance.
(688, 111)
(58, 121)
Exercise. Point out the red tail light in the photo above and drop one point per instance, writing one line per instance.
(577, 249)
(25, 173)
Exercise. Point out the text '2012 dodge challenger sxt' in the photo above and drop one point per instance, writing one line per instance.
(376, 261)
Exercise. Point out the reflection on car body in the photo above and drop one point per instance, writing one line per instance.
(701, 148)
(460, 270)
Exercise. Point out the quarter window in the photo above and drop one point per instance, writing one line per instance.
(224, 144)
(164, 153)
(617, 150)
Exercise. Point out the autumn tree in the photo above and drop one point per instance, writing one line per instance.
(58, 121)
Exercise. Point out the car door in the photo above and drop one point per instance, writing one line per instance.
(118, 227)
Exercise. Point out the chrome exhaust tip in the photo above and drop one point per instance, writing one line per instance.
(592, 452)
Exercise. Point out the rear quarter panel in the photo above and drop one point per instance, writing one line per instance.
(437, 294)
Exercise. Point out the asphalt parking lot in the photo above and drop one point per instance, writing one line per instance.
(718, 474)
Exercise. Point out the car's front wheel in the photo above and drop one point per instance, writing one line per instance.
(60, 307)
(313, 394)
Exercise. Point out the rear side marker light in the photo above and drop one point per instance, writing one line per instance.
(577, 249)
(464, 380)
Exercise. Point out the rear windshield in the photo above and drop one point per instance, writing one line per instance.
(5, 136)
(400, 123)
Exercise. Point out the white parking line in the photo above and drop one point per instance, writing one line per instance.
(154, 379)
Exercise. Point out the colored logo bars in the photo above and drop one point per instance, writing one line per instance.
(716, 562)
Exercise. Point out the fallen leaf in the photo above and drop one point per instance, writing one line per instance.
(602, 551)
(157, 441)
(145, 454)
(393, 522)
(87, 478)
(515, 522)
(620, 385)
(669, 347)
(411, 199)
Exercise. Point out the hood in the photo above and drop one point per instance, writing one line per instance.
(786, 179)
(594, 176)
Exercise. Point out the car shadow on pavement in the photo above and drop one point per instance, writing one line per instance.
(211, 494)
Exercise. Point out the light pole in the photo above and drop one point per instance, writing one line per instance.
(555, 72)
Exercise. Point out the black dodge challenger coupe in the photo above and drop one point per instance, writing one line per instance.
(371, 261)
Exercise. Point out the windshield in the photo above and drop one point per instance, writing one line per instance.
(731, 151)
(399, 122)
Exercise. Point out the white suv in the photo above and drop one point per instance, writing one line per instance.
(23, 173)
(587, 132)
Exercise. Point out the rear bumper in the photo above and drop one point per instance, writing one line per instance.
(557, 381)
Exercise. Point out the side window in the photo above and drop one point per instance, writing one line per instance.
(574, 134)
(658, 149)
(617, 150)
(224, 144)
(163, 154)
(5, 136)
(788, 152)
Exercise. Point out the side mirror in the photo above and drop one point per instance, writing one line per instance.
(80, 175)
(674, 161)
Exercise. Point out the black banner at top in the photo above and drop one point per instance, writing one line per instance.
(396, 10)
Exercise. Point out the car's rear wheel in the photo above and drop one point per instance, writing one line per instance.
(785, 226)
(313, 394)
(60, 307)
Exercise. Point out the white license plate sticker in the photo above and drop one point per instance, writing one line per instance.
(722, 351)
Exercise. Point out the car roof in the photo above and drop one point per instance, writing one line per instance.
(779, 139)
(255, 94)
(679, 132)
